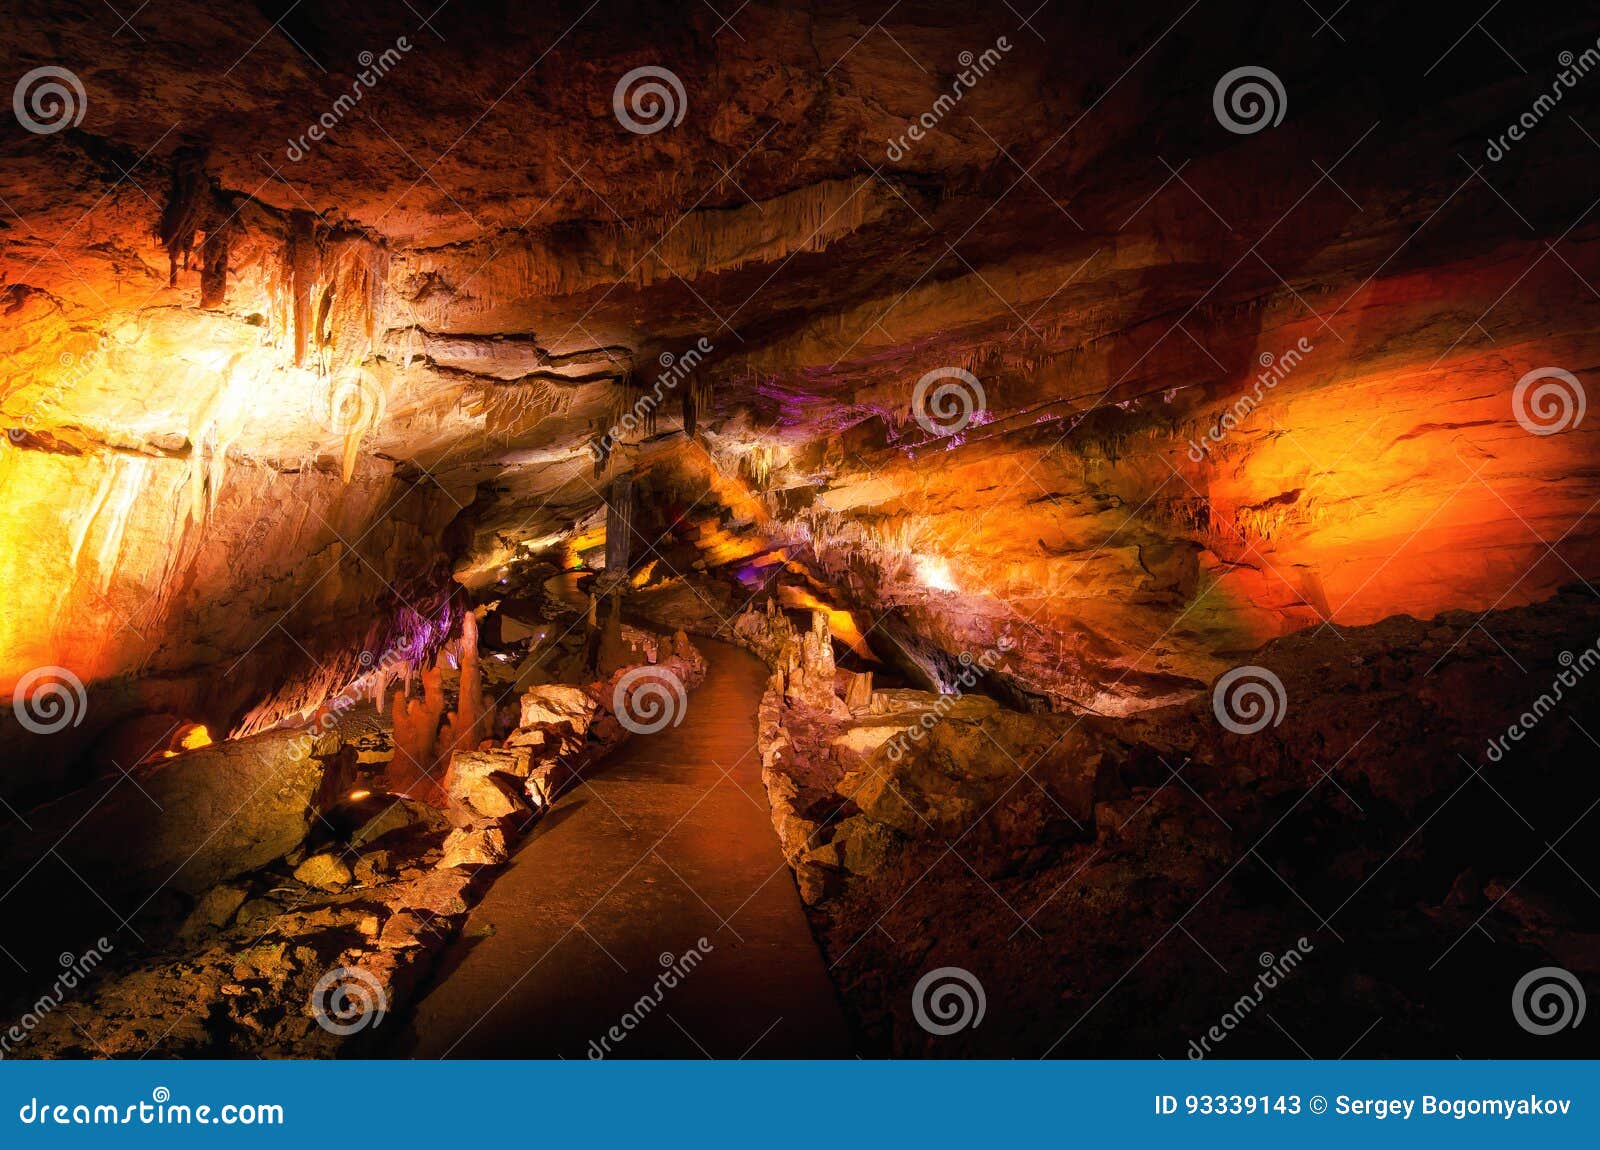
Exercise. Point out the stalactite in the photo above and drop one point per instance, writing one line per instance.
(188, 204)
(511, 408)
(214, 268)
(303, 264)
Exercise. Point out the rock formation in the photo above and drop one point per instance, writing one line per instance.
(1004, 423)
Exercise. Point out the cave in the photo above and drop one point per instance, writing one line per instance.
(793, 530)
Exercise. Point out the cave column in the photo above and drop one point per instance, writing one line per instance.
(619, 525)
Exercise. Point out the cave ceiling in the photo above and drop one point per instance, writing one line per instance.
(265, 388)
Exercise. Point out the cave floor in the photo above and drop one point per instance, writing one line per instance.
(666, 843)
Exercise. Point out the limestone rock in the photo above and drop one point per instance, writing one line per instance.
(474, 846)
(487, 784)
(555, 704)
(216, 908)
(858, 697)
(398, 815)
(198, 819)
(325, 872)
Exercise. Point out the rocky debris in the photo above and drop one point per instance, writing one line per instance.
(474, 846)
(555, 705)
(488, 784)
(396, 815)
(325, 872)
(215, 908)
(1059, 886)
(243, 972)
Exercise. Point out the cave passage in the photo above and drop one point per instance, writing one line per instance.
(664, 851)
(927, 530)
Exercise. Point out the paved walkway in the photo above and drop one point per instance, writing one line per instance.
(668, 842)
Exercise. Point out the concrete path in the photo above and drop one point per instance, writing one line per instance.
(667, 843)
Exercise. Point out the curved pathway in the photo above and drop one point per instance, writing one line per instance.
(667, 842)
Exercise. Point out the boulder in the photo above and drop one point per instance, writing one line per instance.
(864, 846)
(474, 846)
(214, 910)
(533, 739)
(325, 872)
(487, 784)
(185, 823)
(858, 697)
(546, 781)
(554, 704)
(397, 815)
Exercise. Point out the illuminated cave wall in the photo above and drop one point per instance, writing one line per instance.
(219, 489)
